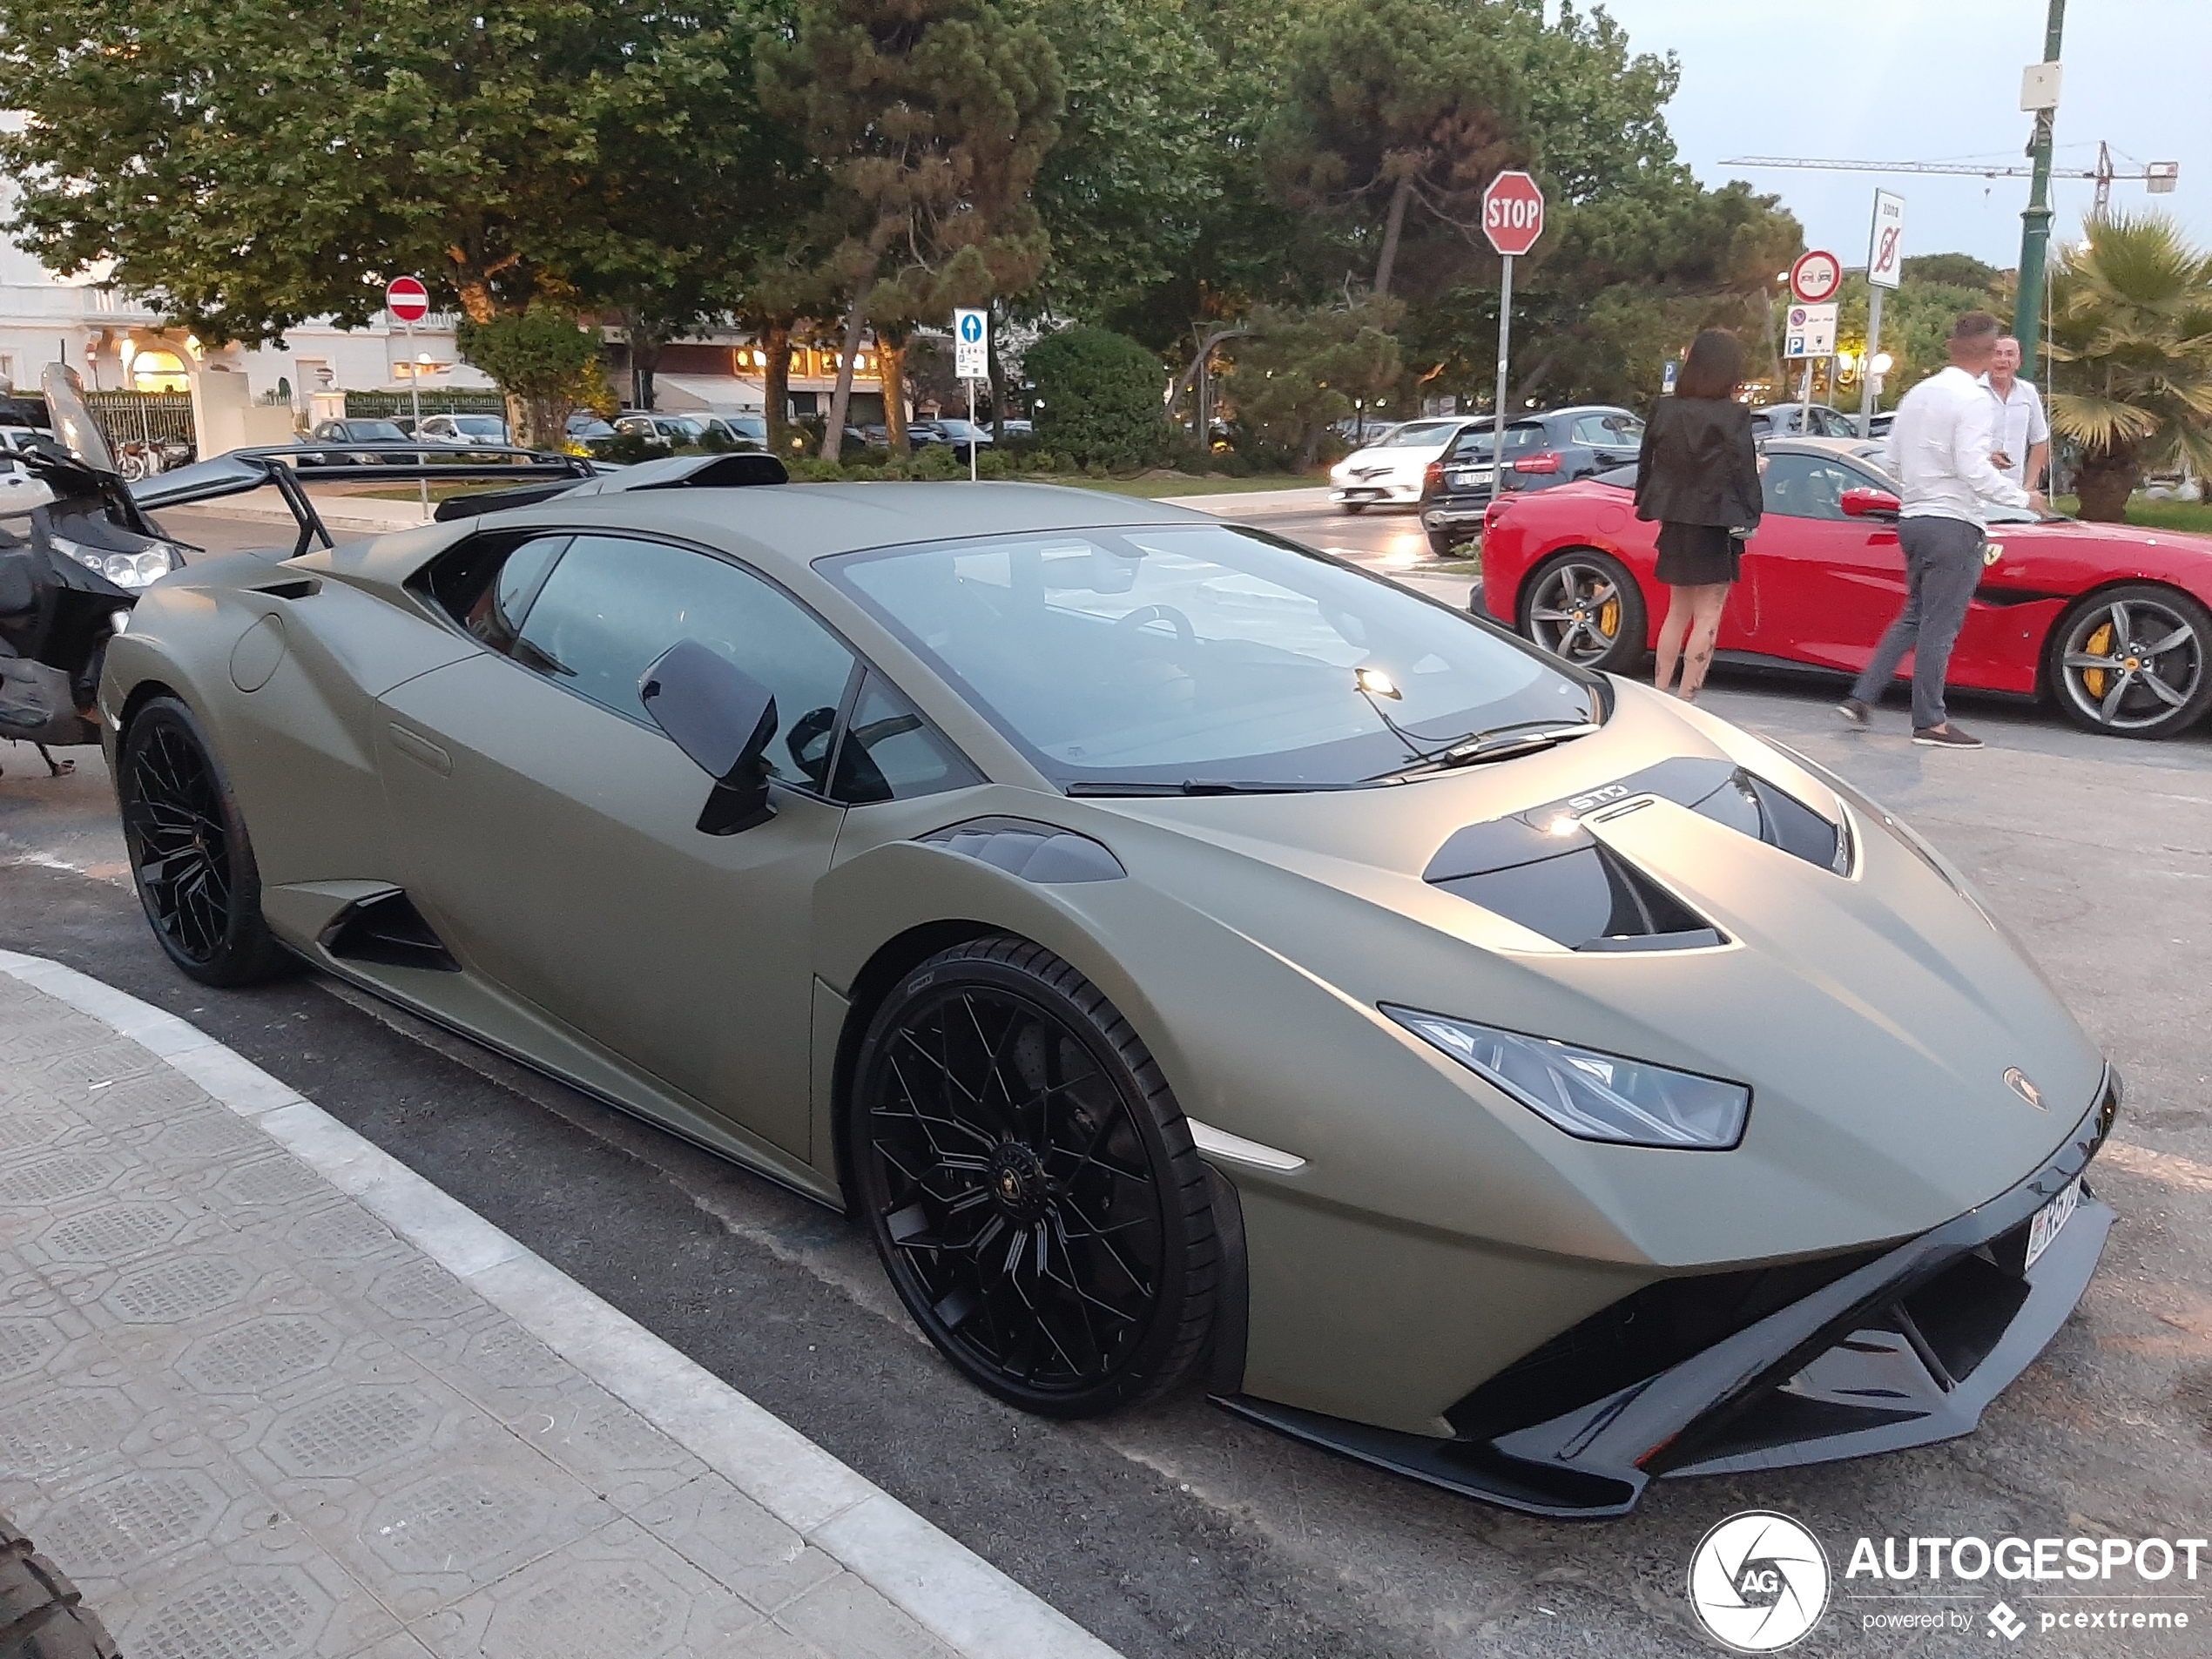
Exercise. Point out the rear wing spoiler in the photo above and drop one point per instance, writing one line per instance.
(534, 475)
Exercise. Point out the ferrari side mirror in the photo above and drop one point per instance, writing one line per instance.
(722, 718)
(1870, 503)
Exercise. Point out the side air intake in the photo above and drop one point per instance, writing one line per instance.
(389, 931)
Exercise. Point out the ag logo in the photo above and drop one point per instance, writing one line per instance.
(1758, 1582)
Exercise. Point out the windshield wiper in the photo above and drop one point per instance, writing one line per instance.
(1499, 743)
(1209, 786)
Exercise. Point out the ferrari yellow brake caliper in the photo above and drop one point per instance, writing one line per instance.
(2098, 645)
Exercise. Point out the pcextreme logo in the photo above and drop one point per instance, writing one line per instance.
(1758, 1582)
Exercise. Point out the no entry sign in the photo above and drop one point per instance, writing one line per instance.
(407, 300)
(1816, 276)
(1513, 212)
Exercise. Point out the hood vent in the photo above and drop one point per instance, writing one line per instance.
(1543, 869)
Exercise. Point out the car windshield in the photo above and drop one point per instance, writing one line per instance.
(373, 432)
(1175, 655)
(959, 428)
(1417, 435)
(480, 426)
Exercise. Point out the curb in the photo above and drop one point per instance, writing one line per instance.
(955, 1594)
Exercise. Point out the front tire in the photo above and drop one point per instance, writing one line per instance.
(1352, 506)
(1585, 607)
(1030, 1182)
(2132, 662)
(190, 857)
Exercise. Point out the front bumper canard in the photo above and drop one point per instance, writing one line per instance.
(1900, 1347)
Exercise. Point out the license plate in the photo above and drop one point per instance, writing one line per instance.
(1469, 479)
(1361, 495)
(2051, 1216)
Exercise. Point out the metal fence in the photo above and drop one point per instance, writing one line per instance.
(385, 405)
(149, 417)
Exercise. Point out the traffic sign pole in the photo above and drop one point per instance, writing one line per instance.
(1866, 367)
(1498, 420)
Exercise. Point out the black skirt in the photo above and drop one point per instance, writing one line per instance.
(1698, 555)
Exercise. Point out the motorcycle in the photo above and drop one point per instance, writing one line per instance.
(69, 577)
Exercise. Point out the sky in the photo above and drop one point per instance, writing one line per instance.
(1935, 80)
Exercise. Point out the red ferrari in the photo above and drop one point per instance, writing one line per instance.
(2114, 624)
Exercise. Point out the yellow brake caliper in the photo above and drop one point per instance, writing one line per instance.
(2098, 645)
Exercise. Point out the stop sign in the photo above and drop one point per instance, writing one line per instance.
(1513, 212)
(407, 300)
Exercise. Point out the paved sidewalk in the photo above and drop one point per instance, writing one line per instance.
(265, 1393)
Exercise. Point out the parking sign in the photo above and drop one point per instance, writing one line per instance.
(971, 339)
(1811, 331)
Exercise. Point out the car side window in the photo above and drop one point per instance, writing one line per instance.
(1603, 431)
(888, 751)
(1807, 485)
(612, 606)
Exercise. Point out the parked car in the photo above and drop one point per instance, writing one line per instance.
(679, 431)
(1389, 472)
(737, 431)
(20, 488)
(1592, 1092)
(584, 427)
(2111, 623)
(1796, 420)
(462, 429)
(962, 435)
(1542, 451)
(352, 431)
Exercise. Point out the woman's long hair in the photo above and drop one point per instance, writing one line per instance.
(1715, 368)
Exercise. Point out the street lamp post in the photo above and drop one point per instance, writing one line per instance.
(2035, 221)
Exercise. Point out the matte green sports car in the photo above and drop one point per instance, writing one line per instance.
(1185, 954)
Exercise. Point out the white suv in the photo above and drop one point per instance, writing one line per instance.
(1390, 472)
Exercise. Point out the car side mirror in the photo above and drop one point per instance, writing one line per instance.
(1870, 503)
(722, 718)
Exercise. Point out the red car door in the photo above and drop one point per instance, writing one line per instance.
(1825, 584)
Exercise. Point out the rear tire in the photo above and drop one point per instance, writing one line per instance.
(190, 857)
(1441, 546)
(2158, 644)
(1030, 1182)
(1585, 607)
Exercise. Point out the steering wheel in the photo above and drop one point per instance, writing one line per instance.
(1186, 637)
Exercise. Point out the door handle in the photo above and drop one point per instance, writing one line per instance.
(420, 749)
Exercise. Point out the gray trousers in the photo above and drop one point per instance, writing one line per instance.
(1942, 564)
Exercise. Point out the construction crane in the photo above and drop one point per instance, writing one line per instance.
(2158, 177)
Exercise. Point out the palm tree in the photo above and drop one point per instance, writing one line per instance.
(2131, 350)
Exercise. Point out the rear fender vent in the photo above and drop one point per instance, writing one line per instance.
(387, 930)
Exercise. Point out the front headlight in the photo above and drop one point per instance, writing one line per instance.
(1593, 1097)
(138, 570)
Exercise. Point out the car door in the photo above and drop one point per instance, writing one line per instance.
(548, 827)
(1613, 439)
(1825, 584)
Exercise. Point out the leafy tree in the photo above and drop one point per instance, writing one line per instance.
(1396, 108)
(544, 363)
(1299, 370)
(1126, 190)
(248, 164)
(1953, 270)
(1098, 397)
(2131, 352)
(931, 119)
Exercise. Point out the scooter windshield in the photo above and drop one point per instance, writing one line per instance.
(73, 422)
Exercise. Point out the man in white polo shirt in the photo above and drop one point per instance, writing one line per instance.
(1938, 451)
(2023, 435)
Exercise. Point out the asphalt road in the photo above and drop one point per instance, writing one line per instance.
(1180, 1531)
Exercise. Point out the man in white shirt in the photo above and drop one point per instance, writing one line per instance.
(2023, 435)
(1940, 448)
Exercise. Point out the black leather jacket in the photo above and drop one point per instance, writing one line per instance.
(1698, 465)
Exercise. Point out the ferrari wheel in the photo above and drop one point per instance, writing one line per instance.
(1585, 606)
(2136, 662)
(1030, 1182)
(190, 857)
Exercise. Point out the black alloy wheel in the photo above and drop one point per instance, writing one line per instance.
(2133, 662)
(1030, 1182)
(1584, 606)
(190, 857)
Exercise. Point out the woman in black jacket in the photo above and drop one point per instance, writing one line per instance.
(1699, 477)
